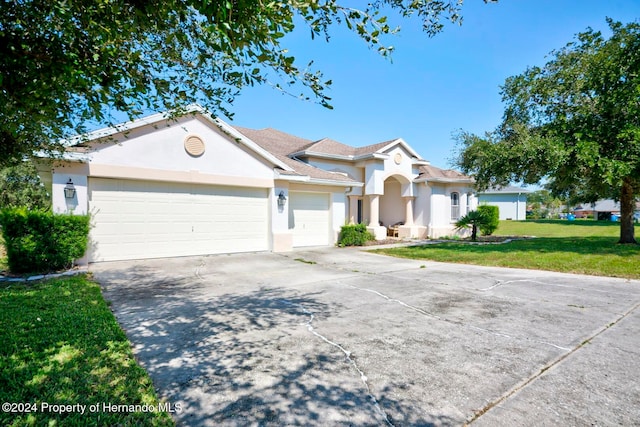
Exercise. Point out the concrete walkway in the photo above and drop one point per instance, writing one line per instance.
(344, 337)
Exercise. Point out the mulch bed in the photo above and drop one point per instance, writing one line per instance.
(481, 239)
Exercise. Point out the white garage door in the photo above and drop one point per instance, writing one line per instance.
(309, 218)
(142, 219)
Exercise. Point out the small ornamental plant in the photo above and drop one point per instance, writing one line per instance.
(354, 235)
(473, 220)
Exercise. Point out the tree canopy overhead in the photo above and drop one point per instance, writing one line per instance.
(574, 122)
(68, 63)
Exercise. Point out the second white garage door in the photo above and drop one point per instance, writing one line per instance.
(309, 217)
(144, 219)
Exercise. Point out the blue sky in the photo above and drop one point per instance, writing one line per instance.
(433, 86)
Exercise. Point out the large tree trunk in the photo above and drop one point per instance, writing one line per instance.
(627, 206)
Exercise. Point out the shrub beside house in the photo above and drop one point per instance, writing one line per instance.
(41, 241)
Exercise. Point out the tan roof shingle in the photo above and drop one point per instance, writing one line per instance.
(281, 144)
(432, 172)
(275, 141)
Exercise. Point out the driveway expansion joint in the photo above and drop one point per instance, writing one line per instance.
(557, 361)
(347, 353)
(456, 322)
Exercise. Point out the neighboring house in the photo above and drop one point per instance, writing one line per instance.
(511, 201)
(602, 210)
(197, 185)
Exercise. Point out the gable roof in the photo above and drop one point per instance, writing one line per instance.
(330, 146)
(288, 148)
(429, 173)
(77, 144)
(283, 150)
(282, 144)
(332, 149)
(275, 141)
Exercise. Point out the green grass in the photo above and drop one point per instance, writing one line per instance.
(559, 228)
(60, 344)
(584, 247)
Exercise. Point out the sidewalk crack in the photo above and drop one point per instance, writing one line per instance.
(347, 353)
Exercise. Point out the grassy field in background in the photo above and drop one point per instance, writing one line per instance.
(583, 247)
(561, 228)
(60, 344)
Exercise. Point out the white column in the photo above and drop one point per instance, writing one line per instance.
(374, 210)
(353, 209)
(408, 203)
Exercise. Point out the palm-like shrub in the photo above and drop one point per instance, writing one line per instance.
(473, 220)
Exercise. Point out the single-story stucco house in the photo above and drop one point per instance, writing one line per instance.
(602, 210)
(197, 185)
(511, 201)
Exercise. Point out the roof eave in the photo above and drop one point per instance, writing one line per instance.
(401, 142)
(446, 180)
(376, 156)
(65, 156)
(305, 153)
(317, 181)
(130, 125)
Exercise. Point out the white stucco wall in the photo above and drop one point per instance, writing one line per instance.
(438, 207)
(279, 215)
(399, 163)
(354, 172)
(421, 204)
(162, 148)
(338, 213)
(374, 177)
(78, 205)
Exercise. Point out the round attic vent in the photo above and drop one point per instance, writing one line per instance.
(194, 146)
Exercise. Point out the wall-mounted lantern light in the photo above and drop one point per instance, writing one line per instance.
(282, 199)
(69, 190)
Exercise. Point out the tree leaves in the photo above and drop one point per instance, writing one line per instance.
(68, 65)
(575, 121)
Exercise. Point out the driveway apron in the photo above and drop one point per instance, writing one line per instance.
(345, 337)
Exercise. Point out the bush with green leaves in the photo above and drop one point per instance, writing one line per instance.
(41, 241)
(493, 219)
(354, 235)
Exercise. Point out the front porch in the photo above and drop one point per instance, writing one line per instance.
(390, 214)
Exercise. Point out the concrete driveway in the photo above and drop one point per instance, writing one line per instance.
(344, 337)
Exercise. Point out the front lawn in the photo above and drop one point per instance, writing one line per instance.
(583, 247)
(561, 228)
(61, 345)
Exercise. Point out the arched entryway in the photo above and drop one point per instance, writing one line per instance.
(396, 205)
(392, 206)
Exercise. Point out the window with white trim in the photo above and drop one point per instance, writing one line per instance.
(455, 206)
